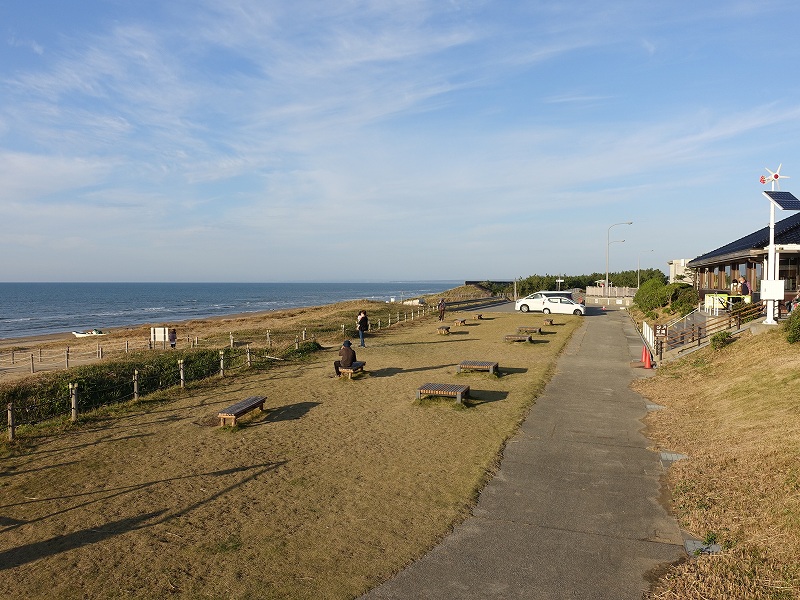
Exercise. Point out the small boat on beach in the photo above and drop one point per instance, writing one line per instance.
(87, 333)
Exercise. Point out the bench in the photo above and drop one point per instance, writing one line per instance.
(478, 365)
(235, 411)
(354, 368)
(478, 317)
(451, 390)
(518, 338)
(548, 322)
(443, 330)
(529, 329)
(458, 322)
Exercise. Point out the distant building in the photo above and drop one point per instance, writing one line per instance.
(678, 271)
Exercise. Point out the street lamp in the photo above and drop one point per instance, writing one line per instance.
(609, 242)
(637, 267)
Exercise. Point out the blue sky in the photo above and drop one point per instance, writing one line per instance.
(256, 140)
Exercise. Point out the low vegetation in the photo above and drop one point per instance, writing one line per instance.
(735, 415)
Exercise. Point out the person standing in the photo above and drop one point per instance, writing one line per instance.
(744, 287)
(347, 356)
(442, 306)
(362, 324)
(173, 338)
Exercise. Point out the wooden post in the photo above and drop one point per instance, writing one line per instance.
(66, 358)
(343, 331)
(231, 339)
(195, 342)
(304, 334)
(136, 384)
(269, 341)
(379, 323)
(11, 424)
(296, 343)
(249, 362)
(32, 371)
(12, 354)
(40, 355)
(183, 377)
(222, 363)
(73, 399)
(100, 353)
(390, 320)
(126, 346)
(97, 352)
(398, 316)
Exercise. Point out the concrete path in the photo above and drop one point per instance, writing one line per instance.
(574, 510)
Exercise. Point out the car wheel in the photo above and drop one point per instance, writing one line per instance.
(577, 312)
(546, 311)
(524, 308)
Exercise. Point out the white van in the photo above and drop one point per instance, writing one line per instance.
(536, 301)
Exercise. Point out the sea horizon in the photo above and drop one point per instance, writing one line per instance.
(43, 308)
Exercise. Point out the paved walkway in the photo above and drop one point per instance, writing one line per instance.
(573, 511)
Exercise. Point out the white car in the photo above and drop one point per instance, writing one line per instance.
(563, 306)
(536, 300)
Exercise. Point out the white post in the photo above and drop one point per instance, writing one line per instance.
(771, 267)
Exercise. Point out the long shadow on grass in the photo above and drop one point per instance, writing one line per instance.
(391, 371)
(511, 370)
(478, 397)
(36, 550)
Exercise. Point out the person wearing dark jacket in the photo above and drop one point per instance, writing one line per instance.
(362, 324)
(347, 356)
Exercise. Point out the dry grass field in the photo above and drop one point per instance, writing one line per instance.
(331, 490)
(735, 413)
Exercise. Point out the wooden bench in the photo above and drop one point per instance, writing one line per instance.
(458, 322)
(235, 411)
(478, 317)
(548, 322)
(443, 330)
(478, 365)
(518, 338)
(451, 390)
(354, 368)
(529, 329)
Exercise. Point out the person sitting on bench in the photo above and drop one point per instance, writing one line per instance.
(347, 357)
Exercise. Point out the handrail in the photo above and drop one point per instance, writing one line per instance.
(697, 334)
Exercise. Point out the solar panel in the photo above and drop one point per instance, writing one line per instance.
(784, 200)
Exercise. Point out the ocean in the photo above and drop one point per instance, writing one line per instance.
(28, 309)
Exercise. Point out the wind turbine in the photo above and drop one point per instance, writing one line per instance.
(774, 177)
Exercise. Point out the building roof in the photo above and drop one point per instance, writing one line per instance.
(787, 231)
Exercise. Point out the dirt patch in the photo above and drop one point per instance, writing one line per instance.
(333, 488)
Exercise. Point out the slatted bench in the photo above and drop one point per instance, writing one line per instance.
(478, 365)
(529, 329)
(443, 330)
(458, 322)
(450, 390)
(354, 368)
(235, 411)
(517, 338)
(478, 317)
(548, 322)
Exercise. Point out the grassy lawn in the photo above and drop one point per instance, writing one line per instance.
(735, 413)
(331, 490)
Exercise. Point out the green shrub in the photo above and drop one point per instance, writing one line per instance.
(721, 339)
(792, 327)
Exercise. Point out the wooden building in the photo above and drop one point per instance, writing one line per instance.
(715, 271)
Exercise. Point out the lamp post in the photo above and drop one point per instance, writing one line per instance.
(637, 267)
(609, 242)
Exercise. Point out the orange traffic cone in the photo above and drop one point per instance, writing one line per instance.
(646, 361)
(644, 353)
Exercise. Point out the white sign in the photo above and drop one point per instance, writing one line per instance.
(772, 289)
